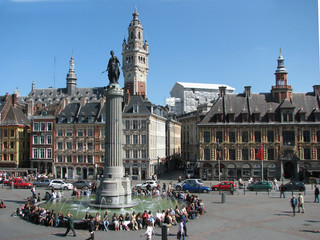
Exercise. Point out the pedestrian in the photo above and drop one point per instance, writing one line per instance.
(91, 228)
(149, 232)
(293, 203)
(70, 224)
(183, 217)
(181, 233)
(316, 194)
(300, 203)
(106, 221)
(281, 189)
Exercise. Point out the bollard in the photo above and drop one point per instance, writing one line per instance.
(12, 185)
(223, 197)
(164, 231)
(244, 189)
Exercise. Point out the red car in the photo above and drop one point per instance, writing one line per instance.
(18, 183)
(22, 184)
(9, 181)
(225, 185)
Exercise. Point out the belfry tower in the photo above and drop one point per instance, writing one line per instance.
(281, 90)
(135, 59)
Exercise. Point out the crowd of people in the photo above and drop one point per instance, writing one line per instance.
(190, 207)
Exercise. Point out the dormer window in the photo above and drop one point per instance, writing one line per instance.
(60, 119)
(231, 117)
(135, 108)
(287, 116)
(256, 117)
(69, 119)
(90, 119)
(103, 118)
(80, 119)
(271, 117)
(317, 117)
(219, 117)
(244, 117)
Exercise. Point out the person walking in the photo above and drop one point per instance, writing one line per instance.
(149, 232)
(91, 228)
(70, 224)
(281, 189)
(106, 221)
(316, 194)
(300, 203)
(293, 203)
(181, 233)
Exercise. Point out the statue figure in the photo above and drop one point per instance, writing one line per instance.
(113, 68)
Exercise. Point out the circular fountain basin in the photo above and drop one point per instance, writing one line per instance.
(78, 207)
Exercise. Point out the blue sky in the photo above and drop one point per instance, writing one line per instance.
(233, 42)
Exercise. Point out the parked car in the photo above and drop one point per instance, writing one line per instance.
(195, 187)
(9, 181)
(42, 182)
(60, 184)
(295, 185)
(260, 186)
(225, 186)
(143, 185)
(82, 184)
(179, 186)
(22, 184)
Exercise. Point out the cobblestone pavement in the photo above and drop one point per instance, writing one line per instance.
(250, 216)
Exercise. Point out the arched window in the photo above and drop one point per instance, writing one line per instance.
(139, 35)
(131, 35)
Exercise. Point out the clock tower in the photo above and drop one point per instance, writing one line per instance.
(135, 59)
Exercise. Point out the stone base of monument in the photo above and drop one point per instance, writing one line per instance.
(114, 193)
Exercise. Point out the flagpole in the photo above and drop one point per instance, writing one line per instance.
(219, 162)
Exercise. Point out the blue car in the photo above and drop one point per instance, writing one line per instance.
(195, 187)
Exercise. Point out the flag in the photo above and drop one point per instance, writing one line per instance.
(260, 153)
(218, 150)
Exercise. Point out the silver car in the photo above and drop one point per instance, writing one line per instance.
(42, 182)
(60, 184)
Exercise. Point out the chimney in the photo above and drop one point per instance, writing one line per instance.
(6, 96)
(222, 91)
(14, 99)
(29, 108)
(247, 91)
(127, 96)
(83, 101)
(316, 90)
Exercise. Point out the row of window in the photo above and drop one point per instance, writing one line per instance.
(43, 153)
(135, 124)
(43, 139)
(245, 154)
(136, 153)
(6, 133)
(78, 158)
(79, 146)
(81, 119)
(136, 138)
(288, 136)
(42, 126)
(80, 132)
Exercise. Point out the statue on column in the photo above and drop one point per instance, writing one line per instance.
(113, 68)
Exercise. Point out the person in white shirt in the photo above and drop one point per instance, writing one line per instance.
(149, 232)
(181, 234)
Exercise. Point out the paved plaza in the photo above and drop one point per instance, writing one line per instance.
(250, 216)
